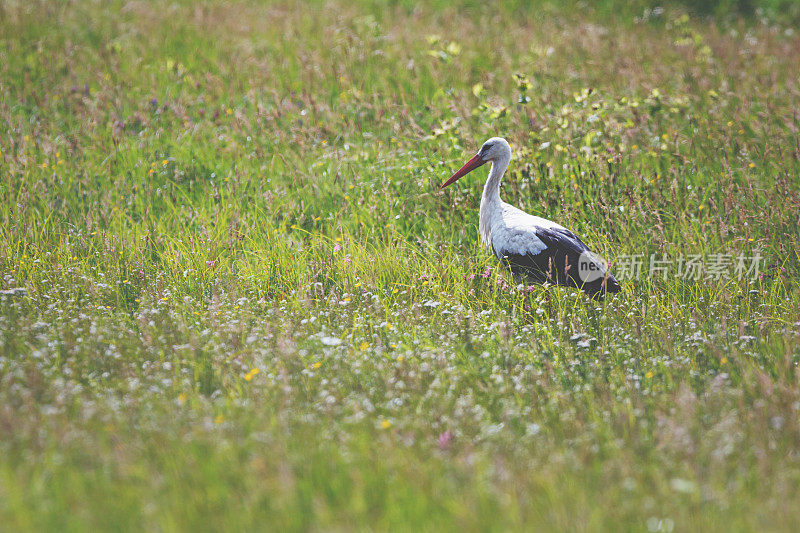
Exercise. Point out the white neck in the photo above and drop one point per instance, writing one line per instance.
(491, 204)
(492, 188)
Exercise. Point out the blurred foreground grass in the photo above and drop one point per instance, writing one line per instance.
(248, 305)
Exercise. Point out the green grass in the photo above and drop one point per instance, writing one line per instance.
(248, 306)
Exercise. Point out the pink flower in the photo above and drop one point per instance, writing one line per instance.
(444, 439)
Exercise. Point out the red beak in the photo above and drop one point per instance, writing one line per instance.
(471, 165)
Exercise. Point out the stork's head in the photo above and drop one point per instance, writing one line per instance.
(494, 149)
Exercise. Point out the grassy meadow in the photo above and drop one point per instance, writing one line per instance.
(243, 303)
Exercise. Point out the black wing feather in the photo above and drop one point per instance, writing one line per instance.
(557, 263)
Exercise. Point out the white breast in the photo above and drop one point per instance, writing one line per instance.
(508, 230)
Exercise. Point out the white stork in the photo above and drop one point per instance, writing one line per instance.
(532, 247)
